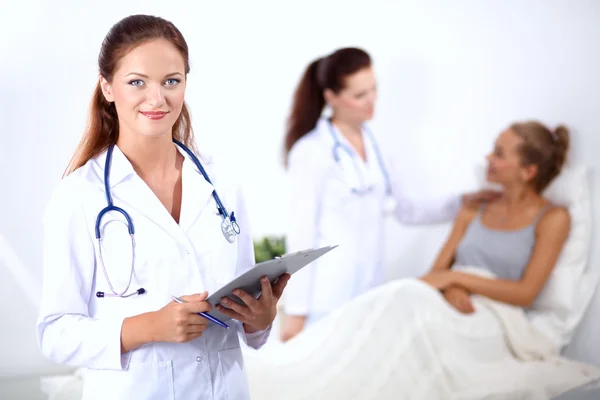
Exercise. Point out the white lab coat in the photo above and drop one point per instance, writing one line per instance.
(79, 329)
(323, 211)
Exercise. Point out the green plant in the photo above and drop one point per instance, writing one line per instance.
(269, 247)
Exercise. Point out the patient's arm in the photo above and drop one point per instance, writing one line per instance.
(551, 234)
(445, 257)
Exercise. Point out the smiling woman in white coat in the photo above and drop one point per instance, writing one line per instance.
(138, 218)
(341, 188)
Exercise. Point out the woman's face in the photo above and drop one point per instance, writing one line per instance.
(148, 89)
(505, 165)
(356, 101)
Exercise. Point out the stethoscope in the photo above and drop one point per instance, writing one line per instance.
(229, 225)
(360, 189)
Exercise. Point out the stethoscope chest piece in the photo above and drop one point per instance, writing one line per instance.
(389, 205)
(229, 226)
(227, 229)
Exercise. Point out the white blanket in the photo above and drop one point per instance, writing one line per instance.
(404, 341)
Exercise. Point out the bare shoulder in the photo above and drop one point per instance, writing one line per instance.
(557, 218)
(465, 216)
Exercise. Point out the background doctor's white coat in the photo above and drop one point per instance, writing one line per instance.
(451, 76)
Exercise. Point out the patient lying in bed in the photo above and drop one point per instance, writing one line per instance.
(517, 237)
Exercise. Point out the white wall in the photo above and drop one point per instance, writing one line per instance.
(452, 74)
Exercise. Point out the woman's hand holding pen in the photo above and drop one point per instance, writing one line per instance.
(179, 322)
(174, 322)
(256, 314)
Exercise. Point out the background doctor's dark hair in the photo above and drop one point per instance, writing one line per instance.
(327, 72)
(103, 124)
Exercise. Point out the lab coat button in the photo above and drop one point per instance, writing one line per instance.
(198, 359)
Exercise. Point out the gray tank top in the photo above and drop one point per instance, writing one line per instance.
(504, 253)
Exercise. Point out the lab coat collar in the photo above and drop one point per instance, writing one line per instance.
(196, 191)
(120, 167)
(325, 127)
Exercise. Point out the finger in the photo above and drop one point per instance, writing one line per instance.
(280, 285)
(470, 307)
(192, 336)
(198, 307)
(195, 298)
(238, 308)
(250, 301)
(285, 336)
(196, 328)
(230, 313)
(266, 295)
(466, 306)
(195, 319)
(460, 306)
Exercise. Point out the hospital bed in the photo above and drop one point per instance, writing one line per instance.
(328, 361)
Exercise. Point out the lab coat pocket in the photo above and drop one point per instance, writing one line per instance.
(141, 381)
(233, 374)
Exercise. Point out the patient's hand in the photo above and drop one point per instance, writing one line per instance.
(293, 326)
(460, 299)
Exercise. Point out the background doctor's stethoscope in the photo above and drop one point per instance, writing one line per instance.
(355, 177)
(229, 226)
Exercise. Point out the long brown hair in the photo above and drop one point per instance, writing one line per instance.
(102, 129)
(543, 147)
(323, 73)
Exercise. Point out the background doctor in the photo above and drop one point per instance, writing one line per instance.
(341, 190)
(138, 344)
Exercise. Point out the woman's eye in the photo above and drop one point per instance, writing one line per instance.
(136, 82)
(172, 81)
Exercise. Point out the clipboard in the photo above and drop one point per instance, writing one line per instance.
(273, 269)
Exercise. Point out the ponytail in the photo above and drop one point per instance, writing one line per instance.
(561, 147)
(307, 107)
(330, 73)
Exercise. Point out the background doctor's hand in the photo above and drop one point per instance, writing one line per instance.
(474, 200)
(180, 322)
(293, 326)
(459, 298)
(256, 314)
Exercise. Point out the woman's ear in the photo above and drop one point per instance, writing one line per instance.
(329, 97)
(106, 90)
(529, 172)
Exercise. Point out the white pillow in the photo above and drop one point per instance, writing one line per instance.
(562, 303)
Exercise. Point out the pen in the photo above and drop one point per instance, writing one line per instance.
(203, 314)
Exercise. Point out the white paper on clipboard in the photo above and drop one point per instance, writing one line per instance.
(250, 280)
